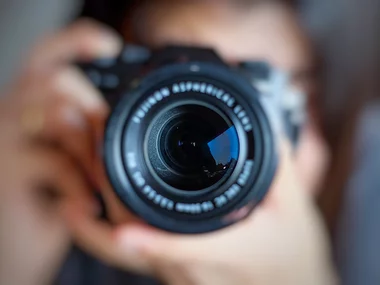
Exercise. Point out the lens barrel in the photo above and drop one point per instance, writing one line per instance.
(188, 148)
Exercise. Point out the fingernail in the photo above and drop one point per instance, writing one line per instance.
(133, 241)
(110, 43)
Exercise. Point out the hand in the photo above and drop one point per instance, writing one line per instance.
(48, 121)
(282, 242)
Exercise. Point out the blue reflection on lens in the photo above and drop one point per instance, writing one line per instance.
(225, 147)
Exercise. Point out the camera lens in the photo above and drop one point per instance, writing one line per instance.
(190, 148)
(197, 147)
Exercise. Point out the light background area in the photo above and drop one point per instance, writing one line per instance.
(22, 22)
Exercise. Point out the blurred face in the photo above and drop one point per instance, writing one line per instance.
(264, 31)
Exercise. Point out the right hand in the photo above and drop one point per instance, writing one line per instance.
(48, 121)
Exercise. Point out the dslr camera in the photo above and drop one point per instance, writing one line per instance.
(191, 143)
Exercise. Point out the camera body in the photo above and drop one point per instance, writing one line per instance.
(191, 142)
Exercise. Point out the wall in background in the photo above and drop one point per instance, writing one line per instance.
(22, 22)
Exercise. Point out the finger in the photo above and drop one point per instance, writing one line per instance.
(99, 239)
(83, 40)
(154, 245)
(72, 114)
(137, 247)
(70, 84)
(67, 126)
(54, 171)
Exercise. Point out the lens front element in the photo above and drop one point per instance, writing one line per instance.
(197, 147)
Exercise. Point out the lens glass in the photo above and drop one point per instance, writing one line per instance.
(198, 147)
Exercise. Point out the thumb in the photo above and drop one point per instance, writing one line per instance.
(152, 244)
(157, 249)
(163, 255)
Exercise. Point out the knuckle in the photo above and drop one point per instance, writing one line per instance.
(56, 80)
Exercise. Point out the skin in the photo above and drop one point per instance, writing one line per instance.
(284, 234)
(42, 168)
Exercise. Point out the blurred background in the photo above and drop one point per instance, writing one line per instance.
(346, 37)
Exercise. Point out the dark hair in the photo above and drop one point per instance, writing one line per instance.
(348, 52)
(110, 12)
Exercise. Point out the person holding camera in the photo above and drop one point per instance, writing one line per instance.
(53, 120)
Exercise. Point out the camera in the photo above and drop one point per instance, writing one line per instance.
(191, 143)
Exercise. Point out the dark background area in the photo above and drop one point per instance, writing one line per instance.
(106, 11)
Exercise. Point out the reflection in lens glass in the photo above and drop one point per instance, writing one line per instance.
(225, 146)
(197, 147)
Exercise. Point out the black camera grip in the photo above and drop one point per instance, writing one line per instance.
(110, 76)
(113, 75)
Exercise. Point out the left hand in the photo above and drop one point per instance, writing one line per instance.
(281, 242)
